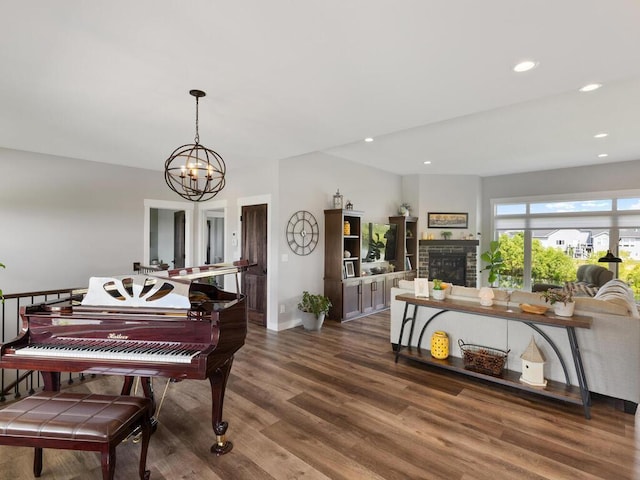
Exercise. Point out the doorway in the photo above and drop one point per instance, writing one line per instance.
(254, 249)
(167, 227)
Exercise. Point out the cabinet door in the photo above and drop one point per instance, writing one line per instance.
(366, 296)
(378, 294)
(392, 281)
(350, 299)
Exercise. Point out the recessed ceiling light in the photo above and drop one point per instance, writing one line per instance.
(602, 155)
(427, 162)
(591, 87)
(601, 135)
(368, 139)
(525, 66)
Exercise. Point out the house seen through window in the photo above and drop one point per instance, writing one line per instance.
(545, 241)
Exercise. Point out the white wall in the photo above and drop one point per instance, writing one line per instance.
(308, 182)
(450, 193)
(64, 220)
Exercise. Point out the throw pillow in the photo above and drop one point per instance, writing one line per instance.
(617, 291)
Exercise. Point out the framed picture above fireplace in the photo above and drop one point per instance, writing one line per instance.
(447, 220)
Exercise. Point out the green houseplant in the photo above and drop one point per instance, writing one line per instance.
(554, 295)
(561, 299)
(314, 307)
(494, 259)
(438, 289)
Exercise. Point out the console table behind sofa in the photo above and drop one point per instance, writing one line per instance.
(610, 349)
(409, 347)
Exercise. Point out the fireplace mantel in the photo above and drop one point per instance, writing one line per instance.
(458, 243)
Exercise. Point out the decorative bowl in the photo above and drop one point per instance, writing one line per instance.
(538, 309)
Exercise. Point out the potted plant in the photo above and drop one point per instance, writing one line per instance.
(438, 290)
(314, 308)
(561, 299)
(404, 209)
(493, 257)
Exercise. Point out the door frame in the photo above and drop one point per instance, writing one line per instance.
(188, 226)
(272, 265)
(201, 232)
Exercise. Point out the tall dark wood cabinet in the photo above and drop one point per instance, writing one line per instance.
(407, 245)
(342, 244)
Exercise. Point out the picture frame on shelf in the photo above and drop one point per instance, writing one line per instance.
(447, 220)
(421, 286)
(349, 269)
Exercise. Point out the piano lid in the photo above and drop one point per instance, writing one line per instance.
(201, 271)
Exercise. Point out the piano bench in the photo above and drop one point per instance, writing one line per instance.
(77, 421)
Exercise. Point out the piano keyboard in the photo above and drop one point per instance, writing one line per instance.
(161, 352)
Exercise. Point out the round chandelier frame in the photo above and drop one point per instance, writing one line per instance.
(194, 171)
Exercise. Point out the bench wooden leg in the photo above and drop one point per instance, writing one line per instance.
(108, 461)
(146, 437)
(37, 462)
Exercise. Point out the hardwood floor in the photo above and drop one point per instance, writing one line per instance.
(334, 405)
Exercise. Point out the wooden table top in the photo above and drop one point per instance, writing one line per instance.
(500, 311)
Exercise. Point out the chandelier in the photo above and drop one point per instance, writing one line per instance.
(194, 171)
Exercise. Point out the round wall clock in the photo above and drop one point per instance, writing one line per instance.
(302, 232)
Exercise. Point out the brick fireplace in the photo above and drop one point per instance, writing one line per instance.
(453, 261)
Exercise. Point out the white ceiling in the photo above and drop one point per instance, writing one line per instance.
(108, 81)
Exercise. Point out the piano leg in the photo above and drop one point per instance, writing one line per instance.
(218, 382)
(51, 381)
(147, 389)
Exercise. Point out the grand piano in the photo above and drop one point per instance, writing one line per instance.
(170, 324)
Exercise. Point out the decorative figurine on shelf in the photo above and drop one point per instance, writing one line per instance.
(440, 345)
(533, 366)
(486, 296)
(349, 205)
(337, 200)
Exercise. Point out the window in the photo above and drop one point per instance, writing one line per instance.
(546, 240)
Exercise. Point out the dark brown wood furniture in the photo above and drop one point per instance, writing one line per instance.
(558, 390)
(407, 244)
(74, 421)
(357, 295)
(196, 340)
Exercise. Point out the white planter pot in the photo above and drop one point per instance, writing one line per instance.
(438, 294)
(564, 310)
(310, 322)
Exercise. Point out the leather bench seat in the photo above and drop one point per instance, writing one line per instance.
(77, 421)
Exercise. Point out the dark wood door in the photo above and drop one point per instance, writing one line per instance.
(254, 249)
(179, 222)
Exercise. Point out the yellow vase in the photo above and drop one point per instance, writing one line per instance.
(347, 228)
(440, 345)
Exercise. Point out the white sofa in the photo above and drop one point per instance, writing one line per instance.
(610, 348)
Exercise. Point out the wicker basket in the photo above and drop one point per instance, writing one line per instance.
(483, 359)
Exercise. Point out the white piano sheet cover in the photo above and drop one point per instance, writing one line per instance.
(99, 288)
